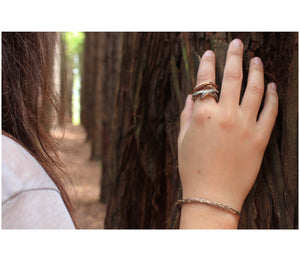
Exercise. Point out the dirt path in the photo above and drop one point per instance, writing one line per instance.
(85, 175)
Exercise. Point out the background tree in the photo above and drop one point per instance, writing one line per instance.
(47, 105)
(111, 63)
(91, 83)
(66, 81)
(101, 69)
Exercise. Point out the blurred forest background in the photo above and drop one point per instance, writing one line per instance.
(121, 95)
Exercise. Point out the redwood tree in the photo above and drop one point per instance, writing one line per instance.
(158, 70)
(66, 82)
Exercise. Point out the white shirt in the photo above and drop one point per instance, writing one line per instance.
(30, 199)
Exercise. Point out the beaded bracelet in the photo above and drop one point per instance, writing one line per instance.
(180, 202)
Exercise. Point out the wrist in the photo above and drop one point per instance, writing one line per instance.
(220, 195)
(198, 216)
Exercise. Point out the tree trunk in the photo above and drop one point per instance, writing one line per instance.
(66, 83)
(89, 83)
(111, 62)
(47, 110)
(158, 70)
(143, 158)
(96, 122)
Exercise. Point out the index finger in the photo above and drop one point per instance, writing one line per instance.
(206, 73)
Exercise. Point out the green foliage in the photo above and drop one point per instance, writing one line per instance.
(74, 42)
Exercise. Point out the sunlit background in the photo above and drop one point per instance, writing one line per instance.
(74, 46)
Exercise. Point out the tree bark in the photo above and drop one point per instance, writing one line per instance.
(158, 70)
(143, 157)
(111, 62)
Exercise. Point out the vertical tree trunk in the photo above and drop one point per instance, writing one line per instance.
(144, 176)
(93, 90)
(158, 70)
(273, 201)
(66, 83)
(89, 83)
(112, 62)
(47, 112)
(96, 123)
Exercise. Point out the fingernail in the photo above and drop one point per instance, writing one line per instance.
(257, 60)
(237, 43)
(272, 85)
(208, 53)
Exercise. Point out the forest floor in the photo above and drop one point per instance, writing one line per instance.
(85, 176)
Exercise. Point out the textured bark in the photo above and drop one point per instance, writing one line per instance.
(143, 157)
(158, 70)
(111, 62)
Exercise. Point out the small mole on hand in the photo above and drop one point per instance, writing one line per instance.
(209, 117)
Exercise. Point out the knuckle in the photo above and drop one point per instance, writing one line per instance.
(233, 74)
(201, 114)
(227, 119)
(245, 129)
(260, 141)
(257, 89)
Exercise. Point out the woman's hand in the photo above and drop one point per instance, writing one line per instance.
(221, 145)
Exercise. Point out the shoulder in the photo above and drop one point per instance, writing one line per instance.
(20, 170)
(30, 199)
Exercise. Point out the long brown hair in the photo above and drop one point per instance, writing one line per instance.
(27, 83)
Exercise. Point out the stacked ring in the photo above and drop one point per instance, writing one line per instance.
(205, 89)
(204, 93)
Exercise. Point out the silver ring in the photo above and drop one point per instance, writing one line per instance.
(204, 93)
